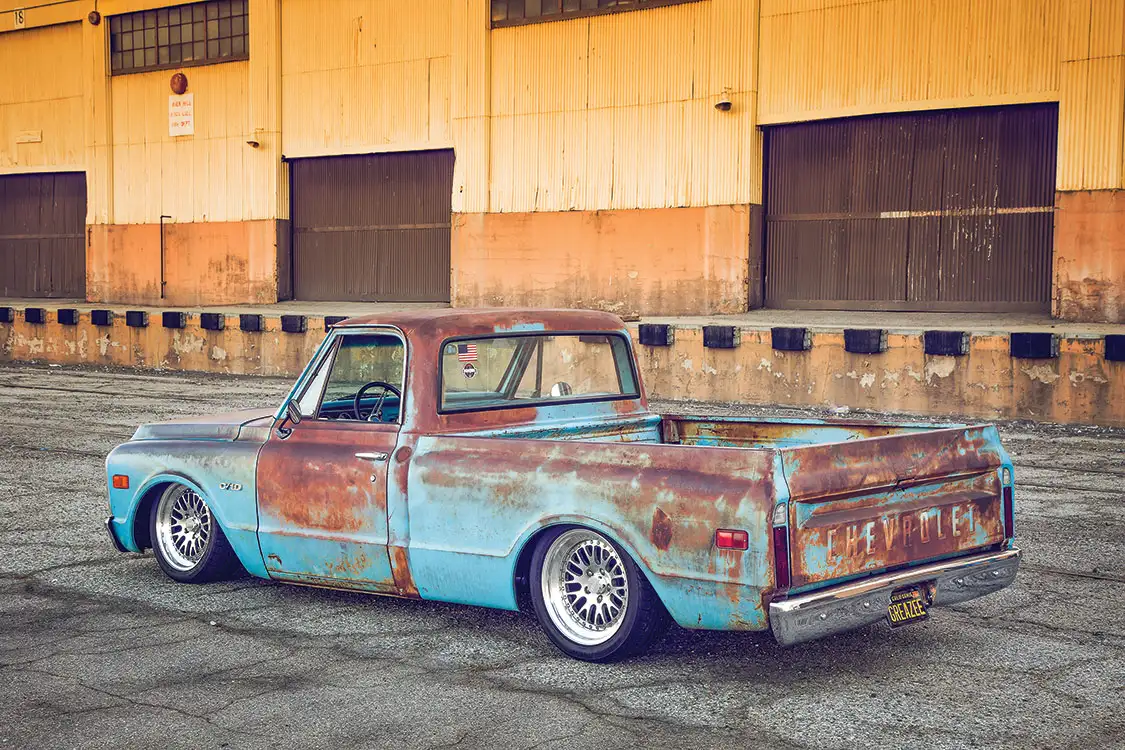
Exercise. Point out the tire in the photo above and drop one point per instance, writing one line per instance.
(189, 545)
(621, 623)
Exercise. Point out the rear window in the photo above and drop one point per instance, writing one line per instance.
(509, 371)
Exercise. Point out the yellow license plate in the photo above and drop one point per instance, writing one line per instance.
(907, 605)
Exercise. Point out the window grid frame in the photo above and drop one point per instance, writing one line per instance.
(622, 6)
(200, 29)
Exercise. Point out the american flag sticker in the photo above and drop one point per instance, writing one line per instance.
(466, 352)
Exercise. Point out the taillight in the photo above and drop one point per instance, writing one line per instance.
(120, 482)
(1009, 514)
(732, 539)
(781, 546)
(781, 557)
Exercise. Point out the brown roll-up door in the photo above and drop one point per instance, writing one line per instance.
(948, 210)
(42, 231)
(372, 228)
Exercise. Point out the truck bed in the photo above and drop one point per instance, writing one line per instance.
(861, 497)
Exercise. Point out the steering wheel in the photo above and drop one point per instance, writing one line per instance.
(377, 412)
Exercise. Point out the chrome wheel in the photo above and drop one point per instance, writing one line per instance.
(585, 586)
(184, 527)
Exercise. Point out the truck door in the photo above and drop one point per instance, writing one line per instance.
(322, 483)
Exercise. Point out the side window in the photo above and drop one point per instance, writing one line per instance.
(370, 364)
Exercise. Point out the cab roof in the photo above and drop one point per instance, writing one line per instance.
(450, 322)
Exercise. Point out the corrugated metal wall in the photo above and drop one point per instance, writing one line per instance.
(372, 228)
(833, 58)
(617, 111)
(822, 59)
(42, 235)
(366, 75)
(209, 176)
(41, 122)
(926, 211)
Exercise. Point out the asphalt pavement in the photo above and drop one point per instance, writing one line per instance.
(100, 650)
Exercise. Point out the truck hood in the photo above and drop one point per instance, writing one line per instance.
(248, 424)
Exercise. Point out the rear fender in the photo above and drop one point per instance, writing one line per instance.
(693, 602)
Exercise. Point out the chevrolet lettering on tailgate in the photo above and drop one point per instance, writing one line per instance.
(497, 457)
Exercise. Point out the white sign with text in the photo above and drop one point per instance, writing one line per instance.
(181, 114)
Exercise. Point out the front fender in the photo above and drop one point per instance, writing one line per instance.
(223, 472)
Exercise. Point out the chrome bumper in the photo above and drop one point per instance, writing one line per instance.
(853, 605)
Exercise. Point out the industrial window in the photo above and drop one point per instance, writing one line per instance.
(516, 12)
(195, 34)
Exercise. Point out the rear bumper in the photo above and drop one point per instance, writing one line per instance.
(853, 605)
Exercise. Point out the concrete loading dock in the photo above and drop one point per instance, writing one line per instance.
(1009, 367)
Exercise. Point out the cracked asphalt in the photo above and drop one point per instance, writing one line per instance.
(99, 649)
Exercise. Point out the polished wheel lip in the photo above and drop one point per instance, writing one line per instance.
(184, 527)
(585, 587)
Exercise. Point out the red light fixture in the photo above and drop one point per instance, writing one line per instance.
(1009, 513)
(732, 539)
(781, 557)
(120, 482)
(781, 547)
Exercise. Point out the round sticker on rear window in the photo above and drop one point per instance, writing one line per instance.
(469, 370)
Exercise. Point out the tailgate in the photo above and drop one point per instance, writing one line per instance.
(868, 505)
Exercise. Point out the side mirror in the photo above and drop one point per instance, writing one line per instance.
(293, 411)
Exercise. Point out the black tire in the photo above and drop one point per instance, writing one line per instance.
(644, 617)
(217, 560)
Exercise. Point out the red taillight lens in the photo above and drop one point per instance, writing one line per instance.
(732, 539)
(1009, 514)
(781, 557)
(120, 482)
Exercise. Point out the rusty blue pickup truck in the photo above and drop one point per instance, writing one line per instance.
(508, 458)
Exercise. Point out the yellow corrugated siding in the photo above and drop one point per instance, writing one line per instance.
(366, 75)
(1091, 124)
(834, 58)
(584, 115)
(205, 177)
(40, 92)
(827, 59)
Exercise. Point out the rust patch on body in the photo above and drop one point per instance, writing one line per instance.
(661, 534)
(400, 567)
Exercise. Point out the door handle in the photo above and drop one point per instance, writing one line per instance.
(372, 456)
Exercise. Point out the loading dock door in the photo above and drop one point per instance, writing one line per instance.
(42, 230)
(373, 228)
(948, 210)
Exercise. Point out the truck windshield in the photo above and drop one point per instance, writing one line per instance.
(506, 371)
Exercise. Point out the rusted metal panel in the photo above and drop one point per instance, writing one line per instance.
(474, 503)
(42, 235)
(322, 511)
(738, 432)
(944, 210)
(375, 227)
(868, 505)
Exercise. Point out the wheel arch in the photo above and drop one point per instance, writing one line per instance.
(521, 575)
(142, 536)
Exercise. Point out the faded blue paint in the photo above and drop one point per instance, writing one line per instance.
(201, 465)
(519, 328)
(464, 505)
(475, 497)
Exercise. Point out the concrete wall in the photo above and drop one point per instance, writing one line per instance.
(1090, 256)
(642, 262)
(205, 263)
(1078, 386)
